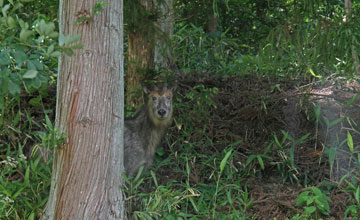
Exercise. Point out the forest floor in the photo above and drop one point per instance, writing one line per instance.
(250, 114)
(251, 111)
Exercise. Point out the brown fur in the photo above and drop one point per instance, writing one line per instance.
(144, 132)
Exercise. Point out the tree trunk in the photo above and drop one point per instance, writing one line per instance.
(87, 167)
(163, 55)
(140, 55)
(355, 56)
(141, 59)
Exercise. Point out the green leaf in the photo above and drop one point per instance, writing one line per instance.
(14, 89)
(350, 209)
(32, 216)
(36, 102)
(352, 100)
(30, 74)
(350, 142)
(224, 160)
(17, 193)
(317, 191)
(250, 158)
(20, 57)
(44, 28)
(17, 119)
(48, 123)
(50, 49)
(53, 34)
(317, 112)
(277, 142)
(4, 59)
(55, 54)
(5, 9)
(27, 176)
(36, 83)
(302, 138)
(336, 121)
(357, 195)
(332, 154)
(139, 173)
(64, 40)
(261, 162)
(313, 73)
(24, 34)
(11, 22)
(301, 199)
(68, 51)
(153, 175)
(310, 210)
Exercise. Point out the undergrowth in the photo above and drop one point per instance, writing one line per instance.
(201, 171)
(195, 175)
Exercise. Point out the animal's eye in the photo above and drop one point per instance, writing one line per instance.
(154, 98)
(168, 97)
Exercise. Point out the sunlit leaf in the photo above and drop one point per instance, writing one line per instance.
(224, 160)
(30, 74)
(350, 142)
(313, 73)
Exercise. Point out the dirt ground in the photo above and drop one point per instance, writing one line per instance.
(253, 110)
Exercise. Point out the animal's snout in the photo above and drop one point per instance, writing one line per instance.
(161, 112)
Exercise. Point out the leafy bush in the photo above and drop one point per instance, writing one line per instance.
(314, 201)
(28, 51)
(24, 185)
(217, 53)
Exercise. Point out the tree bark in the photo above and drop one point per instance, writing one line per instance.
(354, 53)
(163, 56)
(87, 167)
(141, 44)
(140, 60)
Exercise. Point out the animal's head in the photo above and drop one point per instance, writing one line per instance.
(159, 102)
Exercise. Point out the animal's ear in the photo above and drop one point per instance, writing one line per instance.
(146, 90)
(155, 88)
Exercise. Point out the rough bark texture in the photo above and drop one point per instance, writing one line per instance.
(140, 56)
(163, 56)
(355, 56)
(87, 168)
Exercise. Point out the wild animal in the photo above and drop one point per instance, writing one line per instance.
(144, 132)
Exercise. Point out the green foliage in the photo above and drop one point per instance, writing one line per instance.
(314, 202)
(354, 209)
(96, 9)
(28, 54)
(249, 21)
(287, 167)
(309, 42)
(209, 175)
(179, 200)
(201, 96)
(140, 16)
(24, 185)
(260, 157)
(28, 51)
(196, 50)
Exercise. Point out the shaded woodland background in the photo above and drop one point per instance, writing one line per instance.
(266, 108)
